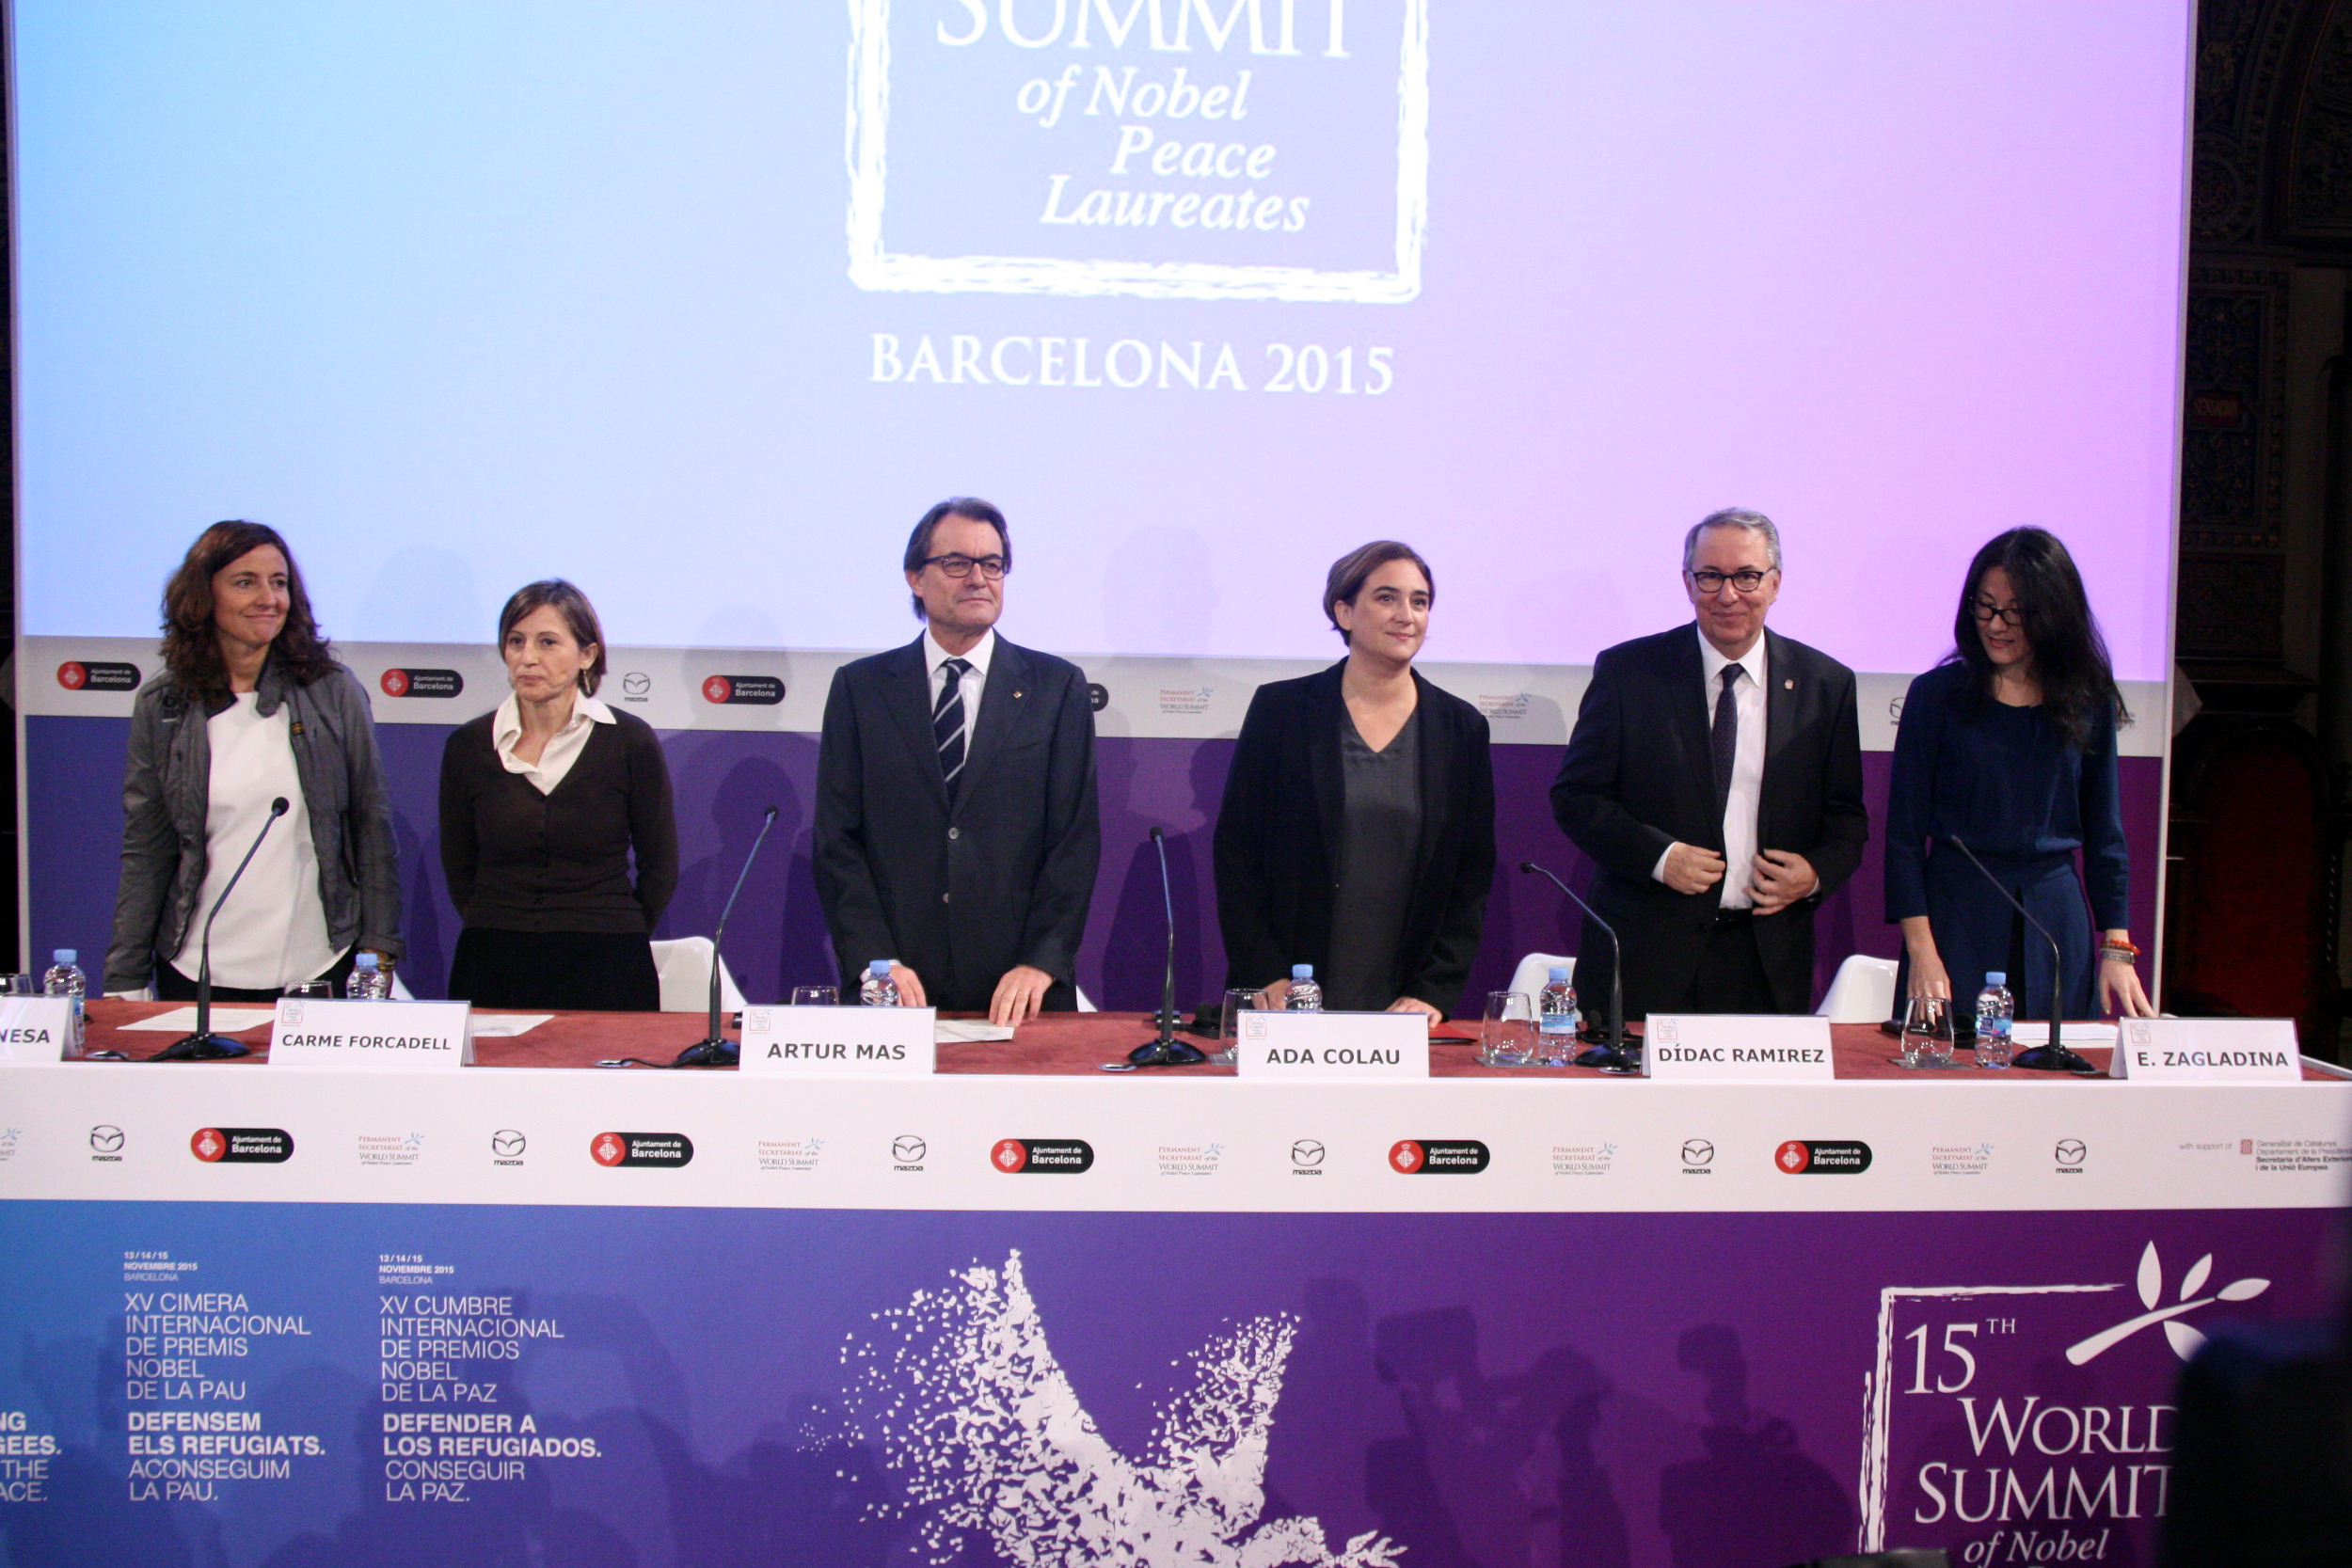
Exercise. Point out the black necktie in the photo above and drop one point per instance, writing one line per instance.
(947, 721)
(1725, 739)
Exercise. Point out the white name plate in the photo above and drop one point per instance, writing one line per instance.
(310, 1032)
(1348, 1046)
(840, 1042)
(34, 1028)
(2208, 1051)
(1738, 1048)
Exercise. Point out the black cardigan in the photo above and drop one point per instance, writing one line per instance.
(520, 861)
(1277, 839)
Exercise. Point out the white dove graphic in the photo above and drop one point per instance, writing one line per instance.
(980, 1424)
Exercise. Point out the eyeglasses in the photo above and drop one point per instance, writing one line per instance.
(1988, 612)
(1713, 582)
(960, 566)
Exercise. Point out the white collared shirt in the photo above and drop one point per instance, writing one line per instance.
(1746, 793)
(563, 747)
(935, 661)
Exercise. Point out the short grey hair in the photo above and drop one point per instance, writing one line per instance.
(1733, 516)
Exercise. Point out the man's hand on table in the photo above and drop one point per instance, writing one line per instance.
(1019, 995)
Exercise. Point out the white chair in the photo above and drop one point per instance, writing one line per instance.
(1864, 992)
(1533, 973)
(683, 966)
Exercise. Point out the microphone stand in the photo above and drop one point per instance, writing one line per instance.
(2053, 1058)
(204, 1045)
(1613, 1054)
(714, 1049)
(1166, 1050)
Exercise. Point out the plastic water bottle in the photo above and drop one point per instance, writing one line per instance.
(1304, 996)
(878, 989)
(368, 982)
(1996, 1013)
(65, 979)
(1557, 1007)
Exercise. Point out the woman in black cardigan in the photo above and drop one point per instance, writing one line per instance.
(543, 801)
(1357, 831)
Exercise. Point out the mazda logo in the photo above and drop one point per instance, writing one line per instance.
(908, 1151)
(506, 1143)
(2071, 1151)
(1306, 1151)
(1697, 1151)
(106, 1140)
(636, 682)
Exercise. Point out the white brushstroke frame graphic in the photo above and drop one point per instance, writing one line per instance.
(874, 267)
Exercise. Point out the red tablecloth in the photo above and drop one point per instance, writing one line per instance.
(1055, 1043)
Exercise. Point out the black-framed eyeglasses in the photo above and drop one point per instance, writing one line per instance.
(1713, 582)
(1988, 612)
(960, 566)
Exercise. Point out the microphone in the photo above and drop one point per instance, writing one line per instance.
(1166, 1050)
(714, 1049)
(205, 1046)
(1613, 1054)
(2053, 1058)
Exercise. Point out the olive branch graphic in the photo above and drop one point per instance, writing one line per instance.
(2184, 1338)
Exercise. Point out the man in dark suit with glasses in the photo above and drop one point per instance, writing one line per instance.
(956, 826)
(1715, 779)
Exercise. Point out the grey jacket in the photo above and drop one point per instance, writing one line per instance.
(166, 795)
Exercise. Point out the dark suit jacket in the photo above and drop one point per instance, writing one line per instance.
(1639, 775)
(958, 891)
(1277, 839)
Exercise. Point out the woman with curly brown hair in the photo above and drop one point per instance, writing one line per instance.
(250, 707)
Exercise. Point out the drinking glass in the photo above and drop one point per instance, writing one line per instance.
(20, 984)
(1927, 1033)
(1508, 1035)
(816, 996)
(321, 991)
(1228, 1023)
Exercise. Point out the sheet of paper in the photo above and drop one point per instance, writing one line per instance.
(490, 1025)
(226, 1021)
(2076, 1033)
(969, 1031)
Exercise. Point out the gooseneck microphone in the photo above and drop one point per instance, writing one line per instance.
(1166, 1050)
(1613, 1054)
(204, 1045)
(714, 1049)
(2053, 1058)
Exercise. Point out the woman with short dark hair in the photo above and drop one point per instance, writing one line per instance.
(544, 802)
(2009, 747)
(1372, 861)
(250, 707)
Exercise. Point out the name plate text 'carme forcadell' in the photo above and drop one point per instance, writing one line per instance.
(311, 1032)
(1738, 1048)
(1348, 1046)
(840, 1042)
(2208, 1051)
(34, 1028)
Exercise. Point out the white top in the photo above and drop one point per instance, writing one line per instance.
(1742, 801)
(935, 660)
(273, 930)
(563, 747)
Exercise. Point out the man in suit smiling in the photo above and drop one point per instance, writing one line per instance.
(956, 827)
(1715, 779)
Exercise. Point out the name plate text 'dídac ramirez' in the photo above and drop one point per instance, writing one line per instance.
(1736, 1048)
(312, 1031)
(840, 1042)
(34, 1028)
(1344, 1046)
(2207, 1050)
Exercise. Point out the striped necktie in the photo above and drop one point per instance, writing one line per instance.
(947, 721)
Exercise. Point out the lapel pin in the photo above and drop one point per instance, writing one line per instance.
(1016, 694)
(1788, 686)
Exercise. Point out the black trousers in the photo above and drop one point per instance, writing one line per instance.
(173, 986)
(598, 972)
(1731, 976)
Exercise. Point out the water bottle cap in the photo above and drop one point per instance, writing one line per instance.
(1995, 977)
(63, 956)
(1302, 971)
(1559, 972)
(878, 969)
(365, 963)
